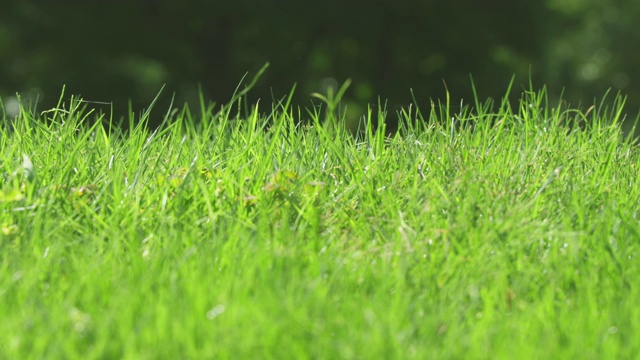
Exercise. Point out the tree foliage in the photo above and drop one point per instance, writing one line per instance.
(125, 51)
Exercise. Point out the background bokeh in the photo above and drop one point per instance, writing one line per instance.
(124, 51)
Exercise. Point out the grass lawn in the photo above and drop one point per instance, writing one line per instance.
(482, 232)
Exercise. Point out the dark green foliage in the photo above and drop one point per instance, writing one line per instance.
(124, 51)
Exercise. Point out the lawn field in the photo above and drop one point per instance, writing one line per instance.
(481, 231)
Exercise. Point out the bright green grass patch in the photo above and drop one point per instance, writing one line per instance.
(481, 233)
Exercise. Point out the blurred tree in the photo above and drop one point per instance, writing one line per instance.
(595, 47)
(127, 50)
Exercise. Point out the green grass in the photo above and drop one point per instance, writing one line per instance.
(482, 232)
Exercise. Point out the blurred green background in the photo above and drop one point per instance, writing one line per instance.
(121, 51)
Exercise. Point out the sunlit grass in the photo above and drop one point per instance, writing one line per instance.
(503, 231)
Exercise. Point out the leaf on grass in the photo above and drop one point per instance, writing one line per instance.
(249, 200)
(29, 170)
(206, 173)
(12, 196)
(281, 181)
(85, 190)
(9, 229)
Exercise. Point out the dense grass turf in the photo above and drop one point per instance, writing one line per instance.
(484, 232)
